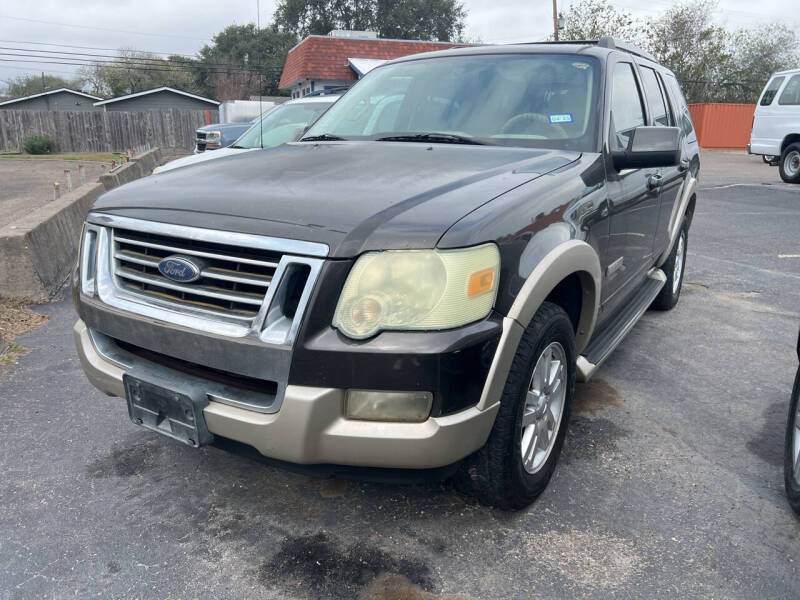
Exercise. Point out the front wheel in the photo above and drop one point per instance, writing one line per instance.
(791, 460)
(789, 166)
(519, 458)
(673, 268)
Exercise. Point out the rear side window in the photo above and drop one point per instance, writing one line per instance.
(684, 116)
(771, 91)
(791, 93)
(626, 105)
(655, 99)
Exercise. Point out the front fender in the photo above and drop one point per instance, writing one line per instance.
(573, 257)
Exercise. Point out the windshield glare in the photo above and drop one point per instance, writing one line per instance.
(281, 125)
(537, 100)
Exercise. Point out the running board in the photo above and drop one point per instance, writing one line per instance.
(603, 344)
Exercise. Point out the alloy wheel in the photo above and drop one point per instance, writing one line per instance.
(544, 407)
(677, 269)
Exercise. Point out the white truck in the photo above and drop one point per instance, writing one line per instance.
(776, 125)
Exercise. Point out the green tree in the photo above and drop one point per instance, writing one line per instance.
(29, 84)
(686, 40)
(592, 19)
(243, 60)
(318, 17)
(441, 20)
(758, 53)
(411, 19)
(136, 71)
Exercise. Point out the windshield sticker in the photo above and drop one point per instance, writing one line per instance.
(581, 66)
(562, 118)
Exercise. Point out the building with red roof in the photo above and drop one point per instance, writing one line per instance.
(342, 57)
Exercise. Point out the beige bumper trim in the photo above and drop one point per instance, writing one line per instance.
(310, 428)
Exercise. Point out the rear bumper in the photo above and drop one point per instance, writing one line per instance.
(309, 427)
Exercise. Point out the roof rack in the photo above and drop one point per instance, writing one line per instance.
(606, 42)
(609, 42)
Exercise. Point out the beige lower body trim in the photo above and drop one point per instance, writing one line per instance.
(678, 210)
(501, 364)
(310, 427)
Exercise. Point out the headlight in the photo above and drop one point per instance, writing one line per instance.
(418, 289)
(88, 259)
(157, 170)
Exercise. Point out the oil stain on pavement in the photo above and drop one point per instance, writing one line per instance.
(126, 461)
(317, 565)
(594, 396)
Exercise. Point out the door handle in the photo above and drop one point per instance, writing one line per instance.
(654, 181)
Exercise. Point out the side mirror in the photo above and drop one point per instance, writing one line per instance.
(649, 147)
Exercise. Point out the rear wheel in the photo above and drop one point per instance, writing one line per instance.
(789, 165)
(519, 458)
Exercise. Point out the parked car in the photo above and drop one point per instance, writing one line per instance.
(282, 124)
(776, 125)
(791, 461)
(219, 135)
(414, 285)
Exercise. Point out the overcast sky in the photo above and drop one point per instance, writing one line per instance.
(183, 26)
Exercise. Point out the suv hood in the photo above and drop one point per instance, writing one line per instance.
(352, 196)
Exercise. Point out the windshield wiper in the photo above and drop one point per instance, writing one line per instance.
(442, 138)
(238, 147)
(323, 137)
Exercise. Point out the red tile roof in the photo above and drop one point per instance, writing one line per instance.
(323, 57)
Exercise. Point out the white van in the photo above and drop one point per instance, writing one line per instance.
(776, 125)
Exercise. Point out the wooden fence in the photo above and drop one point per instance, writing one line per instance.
(98, 131)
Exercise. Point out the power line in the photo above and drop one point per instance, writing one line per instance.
(57, 54)
(135, 66)
(103, 28)
(91, 48)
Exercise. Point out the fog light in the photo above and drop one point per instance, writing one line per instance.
(388, 406)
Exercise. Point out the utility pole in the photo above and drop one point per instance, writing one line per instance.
(555, 20)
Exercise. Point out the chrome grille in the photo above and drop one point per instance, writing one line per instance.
(233, 280)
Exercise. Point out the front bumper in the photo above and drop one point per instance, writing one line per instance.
(309, 427)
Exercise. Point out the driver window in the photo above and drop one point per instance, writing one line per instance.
(626, 105)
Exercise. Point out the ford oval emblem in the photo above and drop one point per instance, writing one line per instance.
(179, 268)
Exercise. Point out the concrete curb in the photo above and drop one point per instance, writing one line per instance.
(39, 251)
(138, 167)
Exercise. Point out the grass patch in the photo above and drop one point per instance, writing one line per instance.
(88, 156)
(15, 320)
(10, 355)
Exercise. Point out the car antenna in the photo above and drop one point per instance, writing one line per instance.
(261, 81)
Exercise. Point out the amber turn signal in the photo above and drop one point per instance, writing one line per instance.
(480, 283)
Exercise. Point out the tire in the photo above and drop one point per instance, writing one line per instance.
(792, 481)
(496, 474)
(674, 268)
(789, 165)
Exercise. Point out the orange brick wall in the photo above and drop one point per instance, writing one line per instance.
(721, 125)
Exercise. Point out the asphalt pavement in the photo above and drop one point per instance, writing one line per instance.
(670, 483)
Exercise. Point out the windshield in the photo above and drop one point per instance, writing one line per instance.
(281, 125)
(538, 100)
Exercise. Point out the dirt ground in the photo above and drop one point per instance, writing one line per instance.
(15, 320)
(26, 185)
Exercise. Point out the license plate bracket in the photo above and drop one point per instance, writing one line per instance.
(160, 406)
